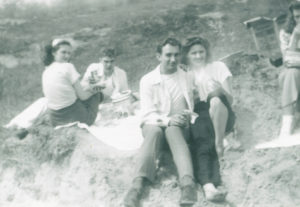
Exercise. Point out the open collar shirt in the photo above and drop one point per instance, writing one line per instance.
(119, 77)
(155, 99)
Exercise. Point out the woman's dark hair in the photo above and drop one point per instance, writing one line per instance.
(49, 50)
(290, 23)
(190, 42)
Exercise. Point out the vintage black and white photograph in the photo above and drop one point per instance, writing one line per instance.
(149, 103)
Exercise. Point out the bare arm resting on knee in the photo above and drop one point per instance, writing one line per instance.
(83, 94)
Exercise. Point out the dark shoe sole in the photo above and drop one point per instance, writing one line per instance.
(188, 196)
(218, 197)
(132, 198)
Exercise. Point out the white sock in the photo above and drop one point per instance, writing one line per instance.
(286, 125)
(225, 143)
(209, 187)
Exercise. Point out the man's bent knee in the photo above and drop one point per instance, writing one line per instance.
(176, 132)
(175, 129)
(152, 131)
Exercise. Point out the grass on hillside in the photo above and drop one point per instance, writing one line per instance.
(135, 30)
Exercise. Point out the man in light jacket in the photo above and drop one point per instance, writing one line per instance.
(113, 78)
(166, 102)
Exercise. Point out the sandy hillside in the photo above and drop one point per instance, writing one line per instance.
(68, 167)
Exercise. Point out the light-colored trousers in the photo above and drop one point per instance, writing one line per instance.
(154, 140)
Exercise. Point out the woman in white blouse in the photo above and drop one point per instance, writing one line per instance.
(212, 80)
(213, 99)
(67, 101)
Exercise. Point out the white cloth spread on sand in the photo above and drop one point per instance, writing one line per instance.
(121, 133)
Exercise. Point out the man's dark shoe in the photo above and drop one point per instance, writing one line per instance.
(188, 195)
(133, 197)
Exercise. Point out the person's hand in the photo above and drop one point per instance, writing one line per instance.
(187, 115)
(180, 120)
(287, 63)
(291, 64)
(214, 85)
(97, 87)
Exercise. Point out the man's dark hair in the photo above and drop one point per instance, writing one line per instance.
(108, 52)
(170, 41)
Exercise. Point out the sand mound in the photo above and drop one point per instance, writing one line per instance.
(69, 167)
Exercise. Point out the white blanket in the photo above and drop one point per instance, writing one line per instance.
(121, 133)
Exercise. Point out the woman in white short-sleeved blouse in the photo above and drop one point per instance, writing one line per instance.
(67, 101)
(212, 80)
(213, 99)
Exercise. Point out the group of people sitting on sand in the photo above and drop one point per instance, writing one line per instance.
(185, 104)
(185, 107)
